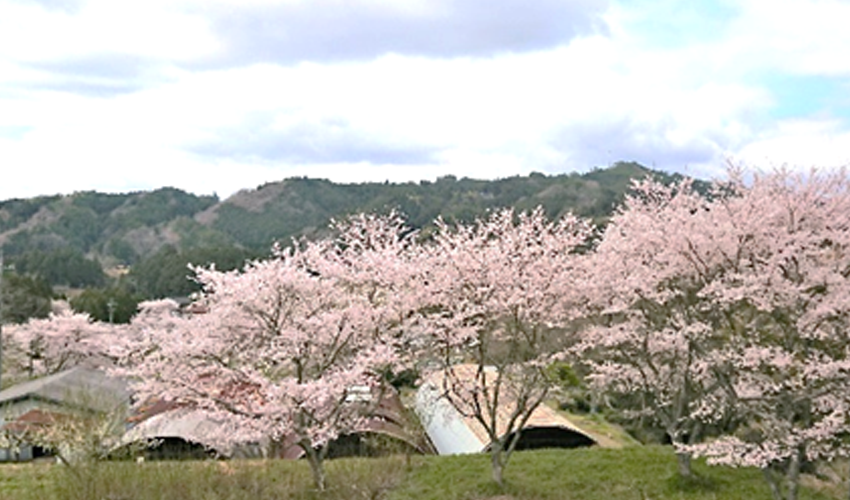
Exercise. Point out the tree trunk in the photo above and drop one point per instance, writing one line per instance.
(683, 461)
(793, 476)
(497, 465)
(773, 483)
(274, 450)
(317, 467)
(848, 486)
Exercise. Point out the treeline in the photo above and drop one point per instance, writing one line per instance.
(124, 229)
(35, 278)
(121, 248)
(304, 206)
(121, 228)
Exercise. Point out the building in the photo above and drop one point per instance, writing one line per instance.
(180, 432)
(39, 402)
(454, 433)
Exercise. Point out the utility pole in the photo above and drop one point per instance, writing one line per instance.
(111, 307)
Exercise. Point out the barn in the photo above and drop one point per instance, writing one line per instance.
(453, 433)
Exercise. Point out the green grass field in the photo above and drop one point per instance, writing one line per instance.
(638, 472)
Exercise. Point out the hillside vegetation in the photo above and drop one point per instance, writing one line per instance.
(124, 228)
(86, 240)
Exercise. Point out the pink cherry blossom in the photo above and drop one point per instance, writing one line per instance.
(284, 341)
(495, 292)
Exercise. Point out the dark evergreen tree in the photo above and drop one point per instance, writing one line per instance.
(24, 297)
(109, 305)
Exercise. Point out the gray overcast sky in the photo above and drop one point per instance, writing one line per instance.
(221, 95)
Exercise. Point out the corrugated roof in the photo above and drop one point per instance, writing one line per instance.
(445, 426)
(453, 433)
(388, 419)
(76, 387)
(194, 426)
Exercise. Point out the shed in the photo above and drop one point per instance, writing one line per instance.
(183, 432)
(454, 433)
(179, 433)
(387, 430)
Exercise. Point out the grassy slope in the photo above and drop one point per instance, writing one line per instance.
(606, 434)
(588, 474)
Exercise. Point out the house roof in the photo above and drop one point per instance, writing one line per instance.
(453, 432)
(77, 387)
(33, 420)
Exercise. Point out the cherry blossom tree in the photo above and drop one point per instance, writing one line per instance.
(496, 289)
(378, 259)
(653, 343)
(92, 419)
(135, 341)
(787, 299)
(289, 348)
(735, 301)
(63, 340)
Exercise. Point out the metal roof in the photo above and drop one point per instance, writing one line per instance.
(454, 433)
(78, 387)
(190, 425)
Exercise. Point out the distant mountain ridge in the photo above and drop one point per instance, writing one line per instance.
(124, 229)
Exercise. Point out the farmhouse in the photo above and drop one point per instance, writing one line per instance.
(40, 401)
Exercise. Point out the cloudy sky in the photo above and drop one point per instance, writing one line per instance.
(220, 95)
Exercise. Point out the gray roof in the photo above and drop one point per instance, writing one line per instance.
(194, 426)
(77, 387)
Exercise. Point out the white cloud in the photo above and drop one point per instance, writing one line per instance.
(119, 95)
(288, 32)
(152, 29)
(800, 144)
(801, 36)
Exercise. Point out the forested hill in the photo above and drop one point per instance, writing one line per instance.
(296, 206)
(67, 240)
